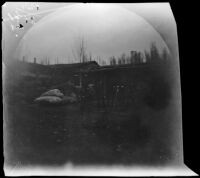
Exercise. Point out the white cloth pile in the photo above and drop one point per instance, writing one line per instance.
(55, 97)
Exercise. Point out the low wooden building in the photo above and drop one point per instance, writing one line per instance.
(125, 84)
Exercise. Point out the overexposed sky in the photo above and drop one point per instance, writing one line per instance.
(107, 30)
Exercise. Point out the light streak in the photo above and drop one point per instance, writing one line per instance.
(33, 14)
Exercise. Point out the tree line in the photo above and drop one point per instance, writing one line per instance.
(135, 57)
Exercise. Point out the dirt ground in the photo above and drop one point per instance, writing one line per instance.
(55, 135)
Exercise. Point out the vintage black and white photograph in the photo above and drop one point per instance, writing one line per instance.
(91, 89)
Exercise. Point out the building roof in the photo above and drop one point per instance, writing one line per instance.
(126, 67)
(117, 67)
(76, 65)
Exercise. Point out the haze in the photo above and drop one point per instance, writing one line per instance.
(107, 30)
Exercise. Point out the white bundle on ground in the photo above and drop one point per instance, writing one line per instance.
(48, 99)
(56, 97)
(54, 92)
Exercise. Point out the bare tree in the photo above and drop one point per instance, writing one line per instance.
(79, 52)
(128, 60)
(133, 57)
(48, 61)
(103, 62)
(23, 59)
(139, 57)
(112, 60)
(123, 58)
(57, 60)
(165, 55)
(155, 56)
(45, 60)
(147, 56)
(82, 51)
(35, 60)
(99, 60)
(90, 58)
